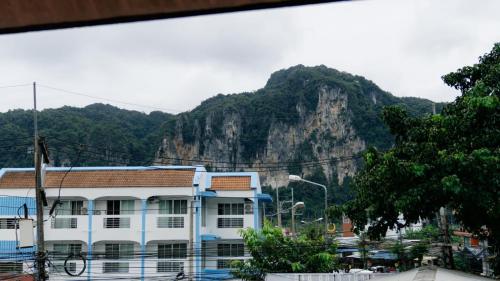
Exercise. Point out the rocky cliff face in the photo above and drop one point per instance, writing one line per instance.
(311, 121)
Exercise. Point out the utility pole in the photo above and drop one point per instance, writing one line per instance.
(446, 248)
(278, 206)
(39, 146)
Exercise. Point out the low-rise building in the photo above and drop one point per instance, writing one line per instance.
(133, 222)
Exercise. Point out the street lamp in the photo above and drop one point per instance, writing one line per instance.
(308, 222)
(297, 205)
(295, 178)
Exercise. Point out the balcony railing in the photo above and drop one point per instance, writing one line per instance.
(115, 267)
(116, 222)
(170, 222)
(229, 222)
(169, 266)
(64, 223)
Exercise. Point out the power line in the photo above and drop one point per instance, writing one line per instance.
(106, 99)
(15, 86)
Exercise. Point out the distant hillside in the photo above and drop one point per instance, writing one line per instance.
(111, 136)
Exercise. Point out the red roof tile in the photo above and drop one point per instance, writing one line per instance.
(102, 178)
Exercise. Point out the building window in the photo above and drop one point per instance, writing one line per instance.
(11, 267)
(115, 267)
(65, 250)
(231, 250)
(231, 209)
(229, 222)
(173, 207)
(169, 266)
(170, 222)
(117, 251)
(64, 223)
(120, 207)
(7, 223)
(70, 207)
(172, 251)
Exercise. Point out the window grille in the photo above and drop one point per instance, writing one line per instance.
(7, 223)
(169, 266)
(115, 267)
(230, 222)
(11, 267)
(116, 222)
(170, 222)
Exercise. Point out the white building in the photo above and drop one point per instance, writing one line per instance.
(134, 222)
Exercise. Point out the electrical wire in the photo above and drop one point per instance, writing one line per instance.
(15, 86)
(57, 201)
(107, 99)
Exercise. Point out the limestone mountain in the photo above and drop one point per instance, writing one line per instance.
(306, 120)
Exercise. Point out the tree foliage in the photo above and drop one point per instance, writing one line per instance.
(111, 136)
(271, 251)
(450, 159)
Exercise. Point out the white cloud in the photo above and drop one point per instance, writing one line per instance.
(403, 46)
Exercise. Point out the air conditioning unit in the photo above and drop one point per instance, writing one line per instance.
(248, 208)
(85, 211)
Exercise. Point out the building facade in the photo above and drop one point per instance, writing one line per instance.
(133, 222)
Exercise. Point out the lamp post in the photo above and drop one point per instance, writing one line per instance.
(295, 178)
(297, 205)
(309, 222)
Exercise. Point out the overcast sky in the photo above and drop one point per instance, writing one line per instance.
(404, 46)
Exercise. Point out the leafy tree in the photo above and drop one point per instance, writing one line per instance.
(271, 251)
(111, 136)
(450, 159)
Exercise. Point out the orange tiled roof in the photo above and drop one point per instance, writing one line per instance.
(102, 178)
(231, 183)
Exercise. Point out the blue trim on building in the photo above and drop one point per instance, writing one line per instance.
(209, 237)
(199, 170)
(144, 209)
(217, 274)
(90, 211)
(256, 221)
(208, 194)
(197, 242)
(9, 205)
(264, 197)
(10, 252)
